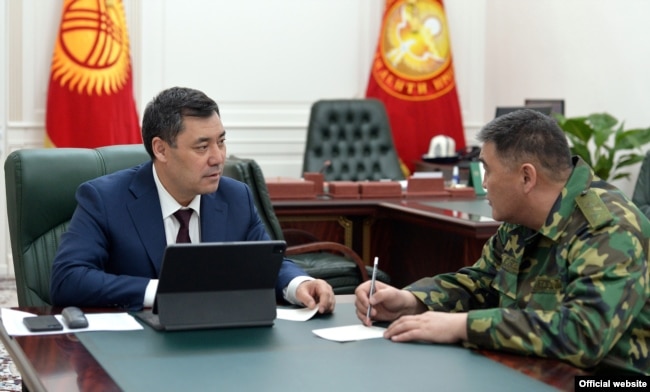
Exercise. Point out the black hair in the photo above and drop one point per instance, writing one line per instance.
(528, 135)
(163, 116)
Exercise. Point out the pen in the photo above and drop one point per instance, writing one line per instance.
(372, 284)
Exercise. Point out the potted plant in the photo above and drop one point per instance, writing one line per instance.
(604, 144)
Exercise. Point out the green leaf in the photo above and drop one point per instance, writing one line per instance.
(643, 135)
(634, 138)
(621, 175)
(629, 160)
(603, 166)
(602, 121)
(601, 135)
(578, 128)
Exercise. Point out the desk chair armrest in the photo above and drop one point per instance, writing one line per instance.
(333, 247)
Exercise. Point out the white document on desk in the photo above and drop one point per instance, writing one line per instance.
(13, 323)
(296, 314)
(350, 332)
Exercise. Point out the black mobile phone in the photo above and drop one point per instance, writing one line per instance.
(42, 323)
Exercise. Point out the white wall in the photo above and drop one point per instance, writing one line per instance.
(265, 62)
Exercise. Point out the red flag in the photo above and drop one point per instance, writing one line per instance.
(413, 74)
(90, 98)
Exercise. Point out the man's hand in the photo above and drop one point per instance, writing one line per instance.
(435, 327)
(316, 292)
(388, 303)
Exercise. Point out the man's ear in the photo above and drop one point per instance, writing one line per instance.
(528, 176)
(159, 148)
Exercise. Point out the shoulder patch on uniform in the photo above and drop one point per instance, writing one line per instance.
(594, 209)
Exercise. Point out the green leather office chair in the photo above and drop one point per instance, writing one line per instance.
(355, 138)
(336, 263)
(641, 195)
(40, 188)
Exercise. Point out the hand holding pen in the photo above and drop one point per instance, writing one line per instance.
(372, 285)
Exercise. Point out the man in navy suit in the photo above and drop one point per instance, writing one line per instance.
(112, 252)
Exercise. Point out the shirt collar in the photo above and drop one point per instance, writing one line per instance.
(579, 181)
(168, 204)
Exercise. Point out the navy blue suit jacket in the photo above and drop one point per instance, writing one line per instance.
(116, 238)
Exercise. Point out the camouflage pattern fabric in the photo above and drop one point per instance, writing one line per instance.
(576, 290)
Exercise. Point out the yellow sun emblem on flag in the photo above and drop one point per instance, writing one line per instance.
(414, 57)
(91, 53)
(415, 38)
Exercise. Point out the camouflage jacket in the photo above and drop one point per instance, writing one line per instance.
(576, 290)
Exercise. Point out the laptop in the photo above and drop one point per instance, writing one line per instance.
(216, 285)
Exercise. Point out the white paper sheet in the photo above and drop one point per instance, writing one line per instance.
(350, 332)
(296, 314)
(13, 323)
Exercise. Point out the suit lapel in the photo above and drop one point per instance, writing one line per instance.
(213, 218)
(147, 216)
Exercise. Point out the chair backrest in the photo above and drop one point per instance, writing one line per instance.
(250, 173)
(40, 189)
(354, 135)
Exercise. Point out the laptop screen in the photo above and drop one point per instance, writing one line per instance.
(220, 266)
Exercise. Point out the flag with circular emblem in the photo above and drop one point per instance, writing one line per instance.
(90, 96)
(413, 74)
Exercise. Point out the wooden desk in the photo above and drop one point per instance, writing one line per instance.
(63, 363)
(413, 238)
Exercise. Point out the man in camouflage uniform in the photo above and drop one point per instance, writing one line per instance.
(565, 276)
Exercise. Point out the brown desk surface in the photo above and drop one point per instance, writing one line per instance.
(447, 209)
(62, 363)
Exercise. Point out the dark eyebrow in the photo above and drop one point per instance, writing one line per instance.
(207, 139)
